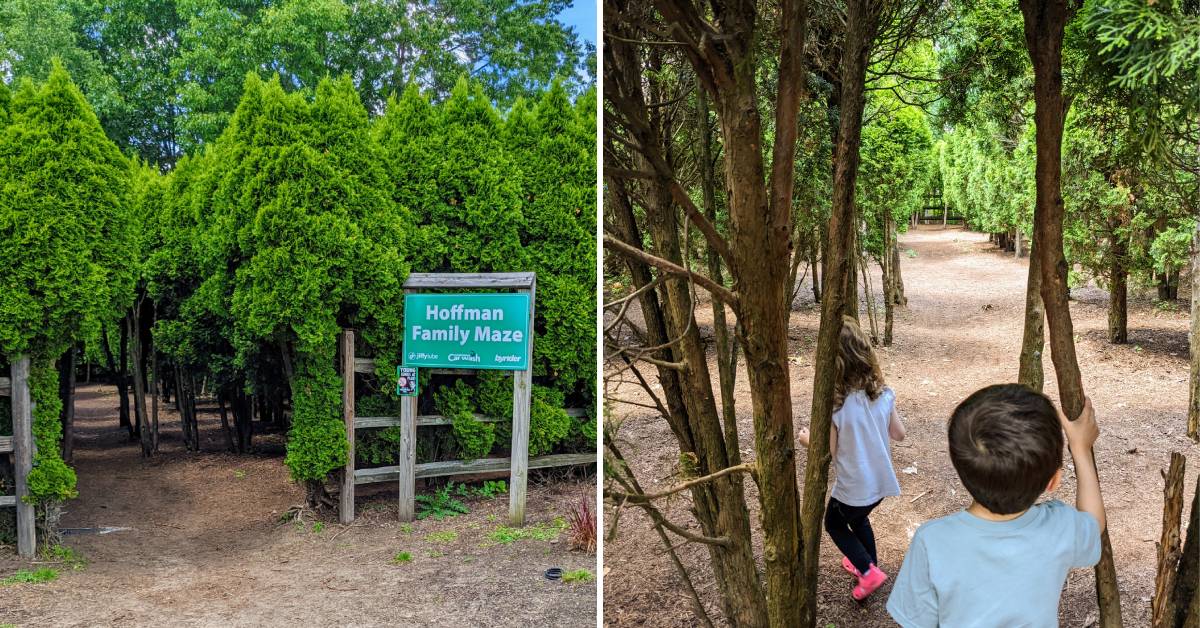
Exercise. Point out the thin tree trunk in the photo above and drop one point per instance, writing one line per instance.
(1033, 336)
(225, 429)
(861, 25)
(725, 350)
(155, 385)
(1193, 424)
(139, 386)
(193, 422)
(898, 276)
(1118, 317)
(816, 266)
(123, 382)
(1044, 23)
(1162, 608)
(1187, 583)
(889, 287)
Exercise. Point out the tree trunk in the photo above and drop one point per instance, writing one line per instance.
(139, 386)
(861, 25)
(154, 393)
(1187, 582)
(689, 411)
(889, 288)
(726, 358)
(225, 429)
(1162, 608)
(1118, 316)
(816, 266)
(898, 276)
(1033, 337)
(1044, 23)
(1193, 424)
(123, 382)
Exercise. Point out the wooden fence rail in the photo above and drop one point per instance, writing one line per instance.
(20, 447)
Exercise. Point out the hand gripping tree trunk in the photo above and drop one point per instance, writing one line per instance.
(862, 21)
(1044, 24)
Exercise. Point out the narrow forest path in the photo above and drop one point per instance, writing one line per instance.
(960, 332)
(205, 546)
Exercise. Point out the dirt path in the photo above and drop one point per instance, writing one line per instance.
(961, 331)
(206, 547)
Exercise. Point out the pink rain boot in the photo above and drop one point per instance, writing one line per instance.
(849, 567)
(868, 583)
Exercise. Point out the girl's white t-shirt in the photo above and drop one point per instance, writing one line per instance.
(864, 455)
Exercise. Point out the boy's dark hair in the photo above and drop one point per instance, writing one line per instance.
(1006, 443)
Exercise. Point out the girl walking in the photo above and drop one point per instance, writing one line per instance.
(864, 423)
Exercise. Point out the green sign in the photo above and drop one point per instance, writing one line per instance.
(467, 331)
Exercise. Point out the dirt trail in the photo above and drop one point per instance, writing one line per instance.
(206, 547)
(960, 331)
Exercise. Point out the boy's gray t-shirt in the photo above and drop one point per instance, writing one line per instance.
(863, 463)
(965, 571)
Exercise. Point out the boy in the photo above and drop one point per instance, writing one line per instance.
(1003, 560)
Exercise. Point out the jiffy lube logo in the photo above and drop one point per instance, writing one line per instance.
(480, 331)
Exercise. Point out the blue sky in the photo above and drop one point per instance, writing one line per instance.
(582, 16)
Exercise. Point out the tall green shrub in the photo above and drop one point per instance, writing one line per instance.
(66, 238)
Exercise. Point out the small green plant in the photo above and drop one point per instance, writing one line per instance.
(491, 518)
(910, 253)
(449, 536)
(239, 474)
(406, 528)
(402, 557)
(65, 555)
(1166, 306)
(435, 554)
(492, 488)
(578, 575)
(25, 576)
(318, 527)
(440, 504)
(505, 535)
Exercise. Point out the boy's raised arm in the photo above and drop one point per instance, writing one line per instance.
(1081, 435)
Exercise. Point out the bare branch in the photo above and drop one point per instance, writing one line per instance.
(718, 291)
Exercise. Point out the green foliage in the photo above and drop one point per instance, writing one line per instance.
(541, 531)
(578, 575)
(1171, 248)
(65, 232)
(50, 479)
(26, 576)
(549, 423)
(318, 527)
(440, 504)
(446, 536)
(473, 437)
(65, 555)
(402, 557)
(317, 441)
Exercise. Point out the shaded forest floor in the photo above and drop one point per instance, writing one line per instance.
(960, 332)
(205, 546)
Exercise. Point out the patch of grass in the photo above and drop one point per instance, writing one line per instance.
(65, 555)
(537, 532)
(910, 253)
(406, 528)
(491, 518)
(25, 576)
(318, 527)
(239, 474)
(578, 575)
(1166, 306)
(402, 557)
(449, 536)
(440, 504)
(435, 554)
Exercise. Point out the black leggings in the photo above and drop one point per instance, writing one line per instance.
(851, 532)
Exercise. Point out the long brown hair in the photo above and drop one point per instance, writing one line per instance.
(857, 365)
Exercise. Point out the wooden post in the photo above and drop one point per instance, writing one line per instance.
(23, 448)
(519, 460)
(407, 464)
(346, 511)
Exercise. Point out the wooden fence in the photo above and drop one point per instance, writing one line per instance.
(20, 447)
(407, 471)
